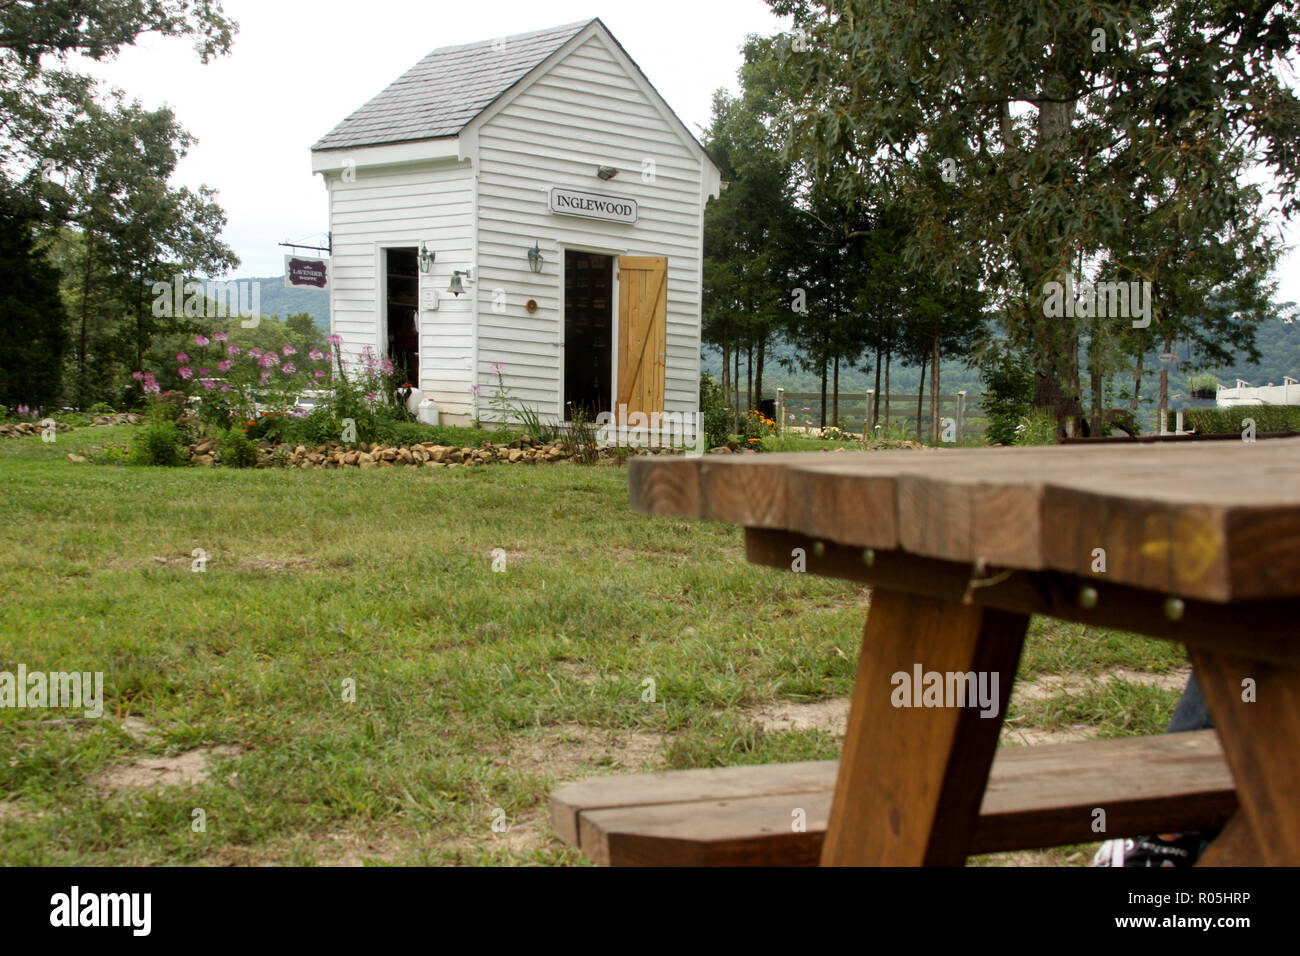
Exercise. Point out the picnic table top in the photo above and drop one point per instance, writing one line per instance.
(1215, 521)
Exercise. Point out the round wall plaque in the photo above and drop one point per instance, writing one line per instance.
(531, 306)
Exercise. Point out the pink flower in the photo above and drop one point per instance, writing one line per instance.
(200, 340)
(499, 368)
(315, 355)
(22, 409)
(268, 359)
(319, 373)
(137, 375)
(371, 396)
(254, 353)
(289, 350)
(181, 358)
(234, 350)
(219, 337)
(209, 384)
(153, 388)
(266, 376)
(387, 366)
(224, 365)
(225, 388)
(185, 371)
(288, 368)
(205, 371)
(334, 339)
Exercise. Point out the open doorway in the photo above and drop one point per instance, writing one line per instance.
(588, 333)
(401, 312)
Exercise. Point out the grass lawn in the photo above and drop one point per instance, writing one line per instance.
(476, 691)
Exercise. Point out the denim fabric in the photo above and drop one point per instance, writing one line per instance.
(1191, 713)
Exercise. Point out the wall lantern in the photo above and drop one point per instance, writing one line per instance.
(427, 256)
(457, 287)
(606, 172)
(535, 258)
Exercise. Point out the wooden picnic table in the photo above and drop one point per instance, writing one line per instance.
(1200, 544)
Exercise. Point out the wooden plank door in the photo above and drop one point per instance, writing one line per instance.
(642, 332)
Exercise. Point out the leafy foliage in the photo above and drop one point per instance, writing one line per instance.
(159, 443)
(716, 410)
(1224, 421)
(1008, 396)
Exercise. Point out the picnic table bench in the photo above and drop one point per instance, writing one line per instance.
(1196, 543)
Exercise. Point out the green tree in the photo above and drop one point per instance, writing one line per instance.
(33, 327)
(1044, 121)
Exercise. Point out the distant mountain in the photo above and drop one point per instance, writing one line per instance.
(282, 302)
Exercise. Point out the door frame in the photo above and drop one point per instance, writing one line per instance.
(381, 299)
(563, 248)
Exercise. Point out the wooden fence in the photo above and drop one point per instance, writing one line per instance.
(803, 409)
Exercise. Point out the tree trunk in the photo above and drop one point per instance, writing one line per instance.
(920, 394)
(758, 367)
(875, 408)
(1136, 400)
(749, 375)
(889, 357)
(822, 421)
(735, 384)
(1097, 374)
(835, 402)
(934, 392)
(85, 312)
(1164, 389)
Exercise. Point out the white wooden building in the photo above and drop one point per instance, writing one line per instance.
(1243, 393)
(552, 143)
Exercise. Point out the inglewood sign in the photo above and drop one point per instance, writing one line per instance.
(573, 202)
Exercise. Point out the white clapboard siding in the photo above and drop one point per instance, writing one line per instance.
(406, 205)
(585, 110)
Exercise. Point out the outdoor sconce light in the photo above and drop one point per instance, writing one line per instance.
(535, 258)
(606, 172)
(457, 287)
(427, 256)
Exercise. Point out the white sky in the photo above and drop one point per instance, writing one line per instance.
(297, 69)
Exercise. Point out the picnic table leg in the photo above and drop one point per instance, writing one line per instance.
(912, 778)
(1261, 742)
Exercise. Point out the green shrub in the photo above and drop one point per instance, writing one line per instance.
(1008, 397)
(1037, 428)
(716, 411)
(159, 444)
(1204, 383)
(101, 408)
(236, 450)
(113, 453)
(1226, 421)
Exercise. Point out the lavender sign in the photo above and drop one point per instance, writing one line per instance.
(306, 273)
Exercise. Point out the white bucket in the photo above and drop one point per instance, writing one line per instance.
(427, 411)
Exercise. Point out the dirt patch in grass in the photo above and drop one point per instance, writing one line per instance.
(1050, 685)
(182, 770)
(829, 715)
(11, 811)
(569, 751)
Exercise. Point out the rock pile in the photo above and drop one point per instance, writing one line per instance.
(424, 455)
(117, 418)
(23, 429)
